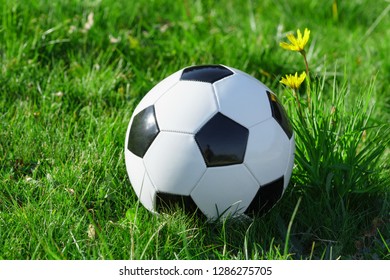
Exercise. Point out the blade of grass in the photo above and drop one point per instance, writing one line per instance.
(286, 245)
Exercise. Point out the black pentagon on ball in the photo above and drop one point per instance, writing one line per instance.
(205, 73)
(168, 202)
(267, 196)
(143, 131)
(279, 114)
(222, 141)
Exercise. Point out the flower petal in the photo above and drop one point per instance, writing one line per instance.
(293, 81)
(287, 46)
(299, 35)
(306, 36)
(296, 43)
(302, 78)
(284, 81)
(292, 38)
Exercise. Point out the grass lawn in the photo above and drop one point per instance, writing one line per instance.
(72, 71)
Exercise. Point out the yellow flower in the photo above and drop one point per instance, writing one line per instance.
(293, 81)
(297, 43)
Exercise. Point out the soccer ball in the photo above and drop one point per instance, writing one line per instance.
(211, 138)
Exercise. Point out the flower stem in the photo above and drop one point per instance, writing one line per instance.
(307, 79)
(306, 64)
(297, 98)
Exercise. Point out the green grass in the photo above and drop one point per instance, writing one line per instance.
(67, 92)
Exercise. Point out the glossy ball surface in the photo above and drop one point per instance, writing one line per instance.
(210, 138)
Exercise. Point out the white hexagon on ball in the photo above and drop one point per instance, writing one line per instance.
(185, 107)
(174, 163)
(243, 91)
(225, 191)
(268, 151)
(157, 91)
